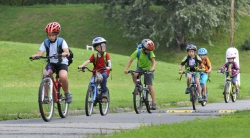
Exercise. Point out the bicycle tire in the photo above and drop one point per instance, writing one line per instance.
(104, 105)
(193, 98)
(227, 92)
(89, 101)
(233, 94)
(62, 105)
(148, 101)
(46, 107)
(137, 101)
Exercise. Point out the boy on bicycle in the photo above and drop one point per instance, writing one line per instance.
(60, 63)
(192, 63)
(145, 64)
(101, 60)
(232, 68)
(202, 52)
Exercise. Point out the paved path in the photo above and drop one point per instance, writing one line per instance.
(83, 126)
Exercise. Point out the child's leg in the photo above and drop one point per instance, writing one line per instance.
(152, 91)
(104, 82)
(203, 81)
(234, 80)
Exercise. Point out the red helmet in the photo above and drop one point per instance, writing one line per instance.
(148, 44)
(53, 27)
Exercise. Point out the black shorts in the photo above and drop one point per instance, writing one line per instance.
(148, 78)
(57, 67)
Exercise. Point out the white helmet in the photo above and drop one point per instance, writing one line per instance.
(97, 41)
(231, 55)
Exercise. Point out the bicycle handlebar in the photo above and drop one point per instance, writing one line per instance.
(140, 72)
(46, 57)
(83, 69)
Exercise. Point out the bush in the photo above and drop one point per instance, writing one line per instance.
(246, 45)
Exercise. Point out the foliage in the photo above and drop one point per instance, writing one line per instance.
(246, 45)
(171, 21)
(34, 2)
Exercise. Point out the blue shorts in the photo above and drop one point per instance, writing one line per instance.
(204, 78)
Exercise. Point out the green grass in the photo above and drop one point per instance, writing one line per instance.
(22, 31)
(235, 125)
(20, 79)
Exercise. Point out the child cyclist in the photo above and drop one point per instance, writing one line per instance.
(53, 29)
(101, 60)
(232, 68)
(202, 52)
(145, 64)
(192, 63)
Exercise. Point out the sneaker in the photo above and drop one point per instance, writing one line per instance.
(153, 107)
(237, 91)
(205, 98)
(200, 99)
(104, 94)
(46, 99)
(187, 91)
(68, 98)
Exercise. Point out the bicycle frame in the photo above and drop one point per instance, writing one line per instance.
(95, 96)
(49, 93)
(141, 91)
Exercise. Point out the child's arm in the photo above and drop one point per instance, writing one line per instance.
(84, 64)
(109, 65)
(40, 53)
(128, 65)
(153, 65)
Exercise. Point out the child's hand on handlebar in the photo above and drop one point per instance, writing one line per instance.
(180, 72)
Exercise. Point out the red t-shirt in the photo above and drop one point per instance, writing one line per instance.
(100, 62)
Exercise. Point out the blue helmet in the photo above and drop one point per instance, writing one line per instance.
(191, 47)
(97, 41)
(202, 51)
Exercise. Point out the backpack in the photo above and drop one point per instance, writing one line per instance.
(139, 47)
(105, 58)
(59, 49)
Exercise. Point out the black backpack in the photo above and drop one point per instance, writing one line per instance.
(59, 49)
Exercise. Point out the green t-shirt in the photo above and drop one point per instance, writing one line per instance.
(143, 61)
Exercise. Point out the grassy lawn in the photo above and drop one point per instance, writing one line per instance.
(22, 32)
(235, 125)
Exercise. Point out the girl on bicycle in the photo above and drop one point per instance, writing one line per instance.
(202, 52)
(101, 60)
(232, 68)
(192, 63)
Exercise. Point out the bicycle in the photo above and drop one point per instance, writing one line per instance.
(141, 94)
(229, 88)
(194, 91)
(94, 96)
(50, 93)
(203, 96)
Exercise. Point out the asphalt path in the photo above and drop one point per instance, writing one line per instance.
(82, 126)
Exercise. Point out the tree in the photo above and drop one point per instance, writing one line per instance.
(172, 21)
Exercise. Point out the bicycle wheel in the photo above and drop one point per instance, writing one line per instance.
(233, 94)
(193, 97)
(148, 101)
(137, 100)
(226, 92)
(89, 101)
(62, 105)
(104, 105)
(46, 100)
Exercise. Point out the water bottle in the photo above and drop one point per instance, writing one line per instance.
(49, 71)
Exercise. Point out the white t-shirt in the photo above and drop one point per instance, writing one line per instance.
(53, 49)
